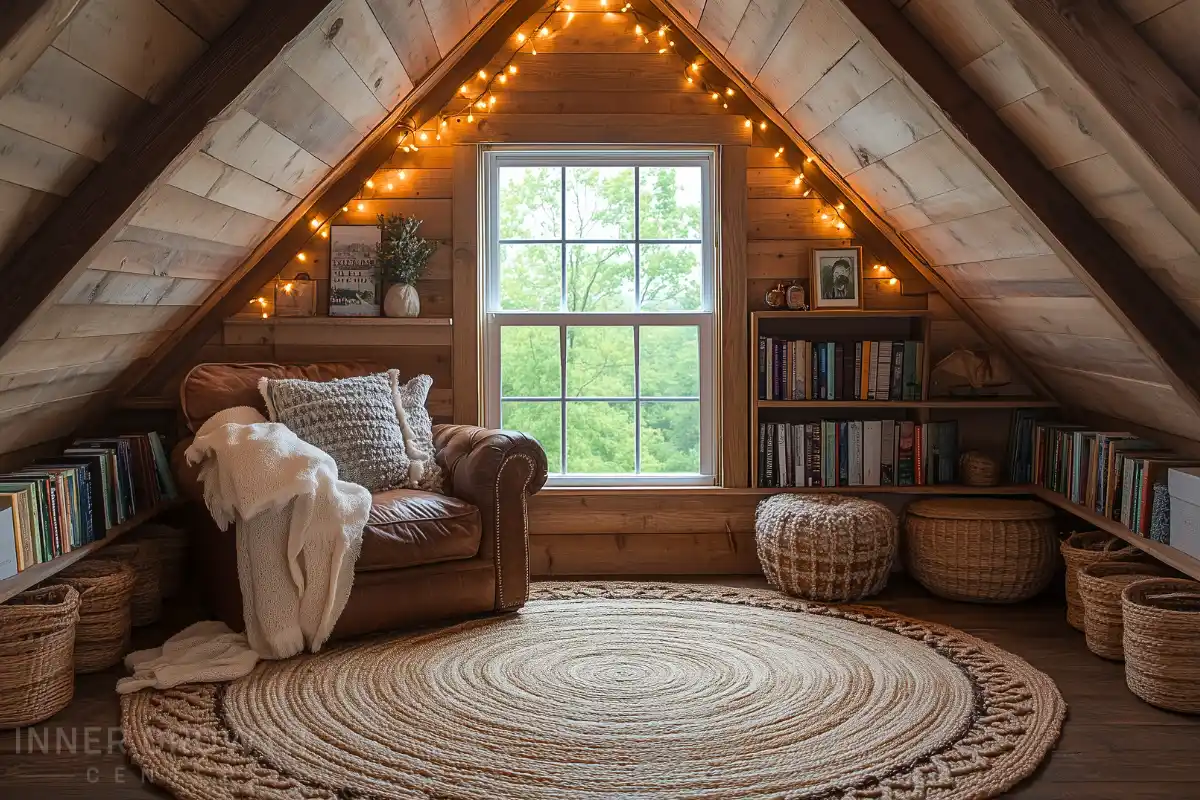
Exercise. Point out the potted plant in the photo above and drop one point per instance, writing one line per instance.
(403, 256)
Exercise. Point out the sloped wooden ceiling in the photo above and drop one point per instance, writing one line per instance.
(321, 97)
(816, 69)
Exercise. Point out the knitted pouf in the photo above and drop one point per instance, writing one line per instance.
(825, 546)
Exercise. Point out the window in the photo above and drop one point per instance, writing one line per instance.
(599, 284)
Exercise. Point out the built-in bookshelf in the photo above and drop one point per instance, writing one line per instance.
(844, 396)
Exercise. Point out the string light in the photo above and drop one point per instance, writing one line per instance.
(520, 38)
(892, 281)
(762, 126)
(749, 124)
(362, 206)
(315, 223)
(512, 69)
(388, 187)
(370, 184)
(324, 234)
(798, 180)
(840, 206)
(301, 257)
(482, 75)
(345, 208)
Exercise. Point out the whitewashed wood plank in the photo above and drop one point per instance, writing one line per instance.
(320, 63)
(1055, 133)
(363, 43)
(1098, 176)
(1152, 404)
(760, 29)
(251, 145)
(30, 162)
(22, 210)
(288, 104)
(1088, 353)
(957, 28)
(719, 20)
(408, 31)
(176, 211)
(1000, 76)
(148, 252)
(932, 166)
(94, 287)
(886, 122)
(135, 43)
(957, 204)
(449, 21)
(62, 102)
(814, 41)
(1024, 268)
(205, 176)
(49, 354)
(80, 321)
(1078, 316)
(1002, 233)
(849, 82)
(692, 10)
(1137, 224)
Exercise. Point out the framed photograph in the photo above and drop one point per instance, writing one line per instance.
(837, 278)
(353, 271)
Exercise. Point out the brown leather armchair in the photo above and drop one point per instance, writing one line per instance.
(425, 557)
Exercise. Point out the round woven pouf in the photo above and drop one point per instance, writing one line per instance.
(616, 691)
(982, 550)
(825, 546)
(1100, 587)
(1162, 642)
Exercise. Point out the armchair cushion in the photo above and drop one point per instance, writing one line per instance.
(407, 528)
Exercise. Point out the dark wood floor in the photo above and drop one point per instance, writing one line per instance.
(1114, 747)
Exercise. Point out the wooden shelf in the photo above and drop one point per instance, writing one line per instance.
(40, 572)
(957, 404)
(936, 489)
(383, 322)
(1170, 556)
(849, 313)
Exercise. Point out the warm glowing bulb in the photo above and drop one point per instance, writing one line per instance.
(370, 184)
(423, 136)
(762, 126)
(512, 69)
(807, 192)
(481, 104)
(689, 79)
(879, 267)
(262, 301)
(637, 29)
(301, 257)
(407, 149)
(729, 92)
(533, 51)
(287, 288)
(825, 216)
(324, 234)
(662, 50)
(470, 117)
(797, 180)
(444, 123)
(893, 281)
(264, 315)
(503, 78)
(840, 226)
(544, 32)
(646, 40)
(662, 31)
(840, 206)
(715, 96)
(316, 223)
(401, 174)
(345, 208)
(361, 207)
(388, 187)
(520, 38)
(695, 67)
(491, 100)
(671, 43)
(570, 16)
(463, 89)
(779, 152)
(749, 124)
(808, 160)
(482, 75)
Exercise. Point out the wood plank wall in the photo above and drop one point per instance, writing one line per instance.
(839, 93)
(198, 222)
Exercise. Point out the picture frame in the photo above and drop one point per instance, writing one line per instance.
(837, 280)
(354, 271)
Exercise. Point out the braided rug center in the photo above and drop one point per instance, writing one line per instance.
(615, 691)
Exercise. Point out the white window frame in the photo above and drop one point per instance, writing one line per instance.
(705, 319)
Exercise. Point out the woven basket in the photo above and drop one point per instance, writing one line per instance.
(172, 551)
(1081, 550)
(105, 589)
(979, 549)
(1162, 642)
(977, 469)
(825, 547)
(146, 603)
(1100, 587)
(37, 638)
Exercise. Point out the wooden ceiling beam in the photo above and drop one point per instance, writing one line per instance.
(151, 142)
(1142, 307)
(27, 28)
(875, 233)
(425, 102)
(1134, 103)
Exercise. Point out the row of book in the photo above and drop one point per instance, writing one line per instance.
(790, 369)
(1112, 473)
(857, 453)
(64, 502)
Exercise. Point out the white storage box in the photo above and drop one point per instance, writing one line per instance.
(1184, 486)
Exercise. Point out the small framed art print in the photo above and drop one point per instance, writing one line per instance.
(837, 279)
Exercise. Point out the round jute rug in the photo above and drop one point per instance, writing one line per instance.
(617, 690)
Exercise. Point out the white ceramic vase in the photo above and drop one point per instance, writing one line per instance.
(401, 300)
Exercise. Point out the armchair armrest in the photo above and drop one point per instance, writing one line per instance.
(496, 471)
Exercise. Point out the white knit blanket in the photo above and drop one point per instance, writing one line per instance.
(299, 530)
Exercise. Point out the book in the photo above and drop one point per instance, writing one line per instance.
(857, 375)
(872, 452)
(896, 390)
(884, 378)
(906, 474)
(855, 453)
(873, 373)
(8, 544)
(762, 369)
(887, 452)
(839, 360)
(843, 453)
(864, 392)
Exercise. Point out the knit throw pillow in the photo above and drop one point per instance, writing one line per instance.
(355, 420)
(418, 432)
